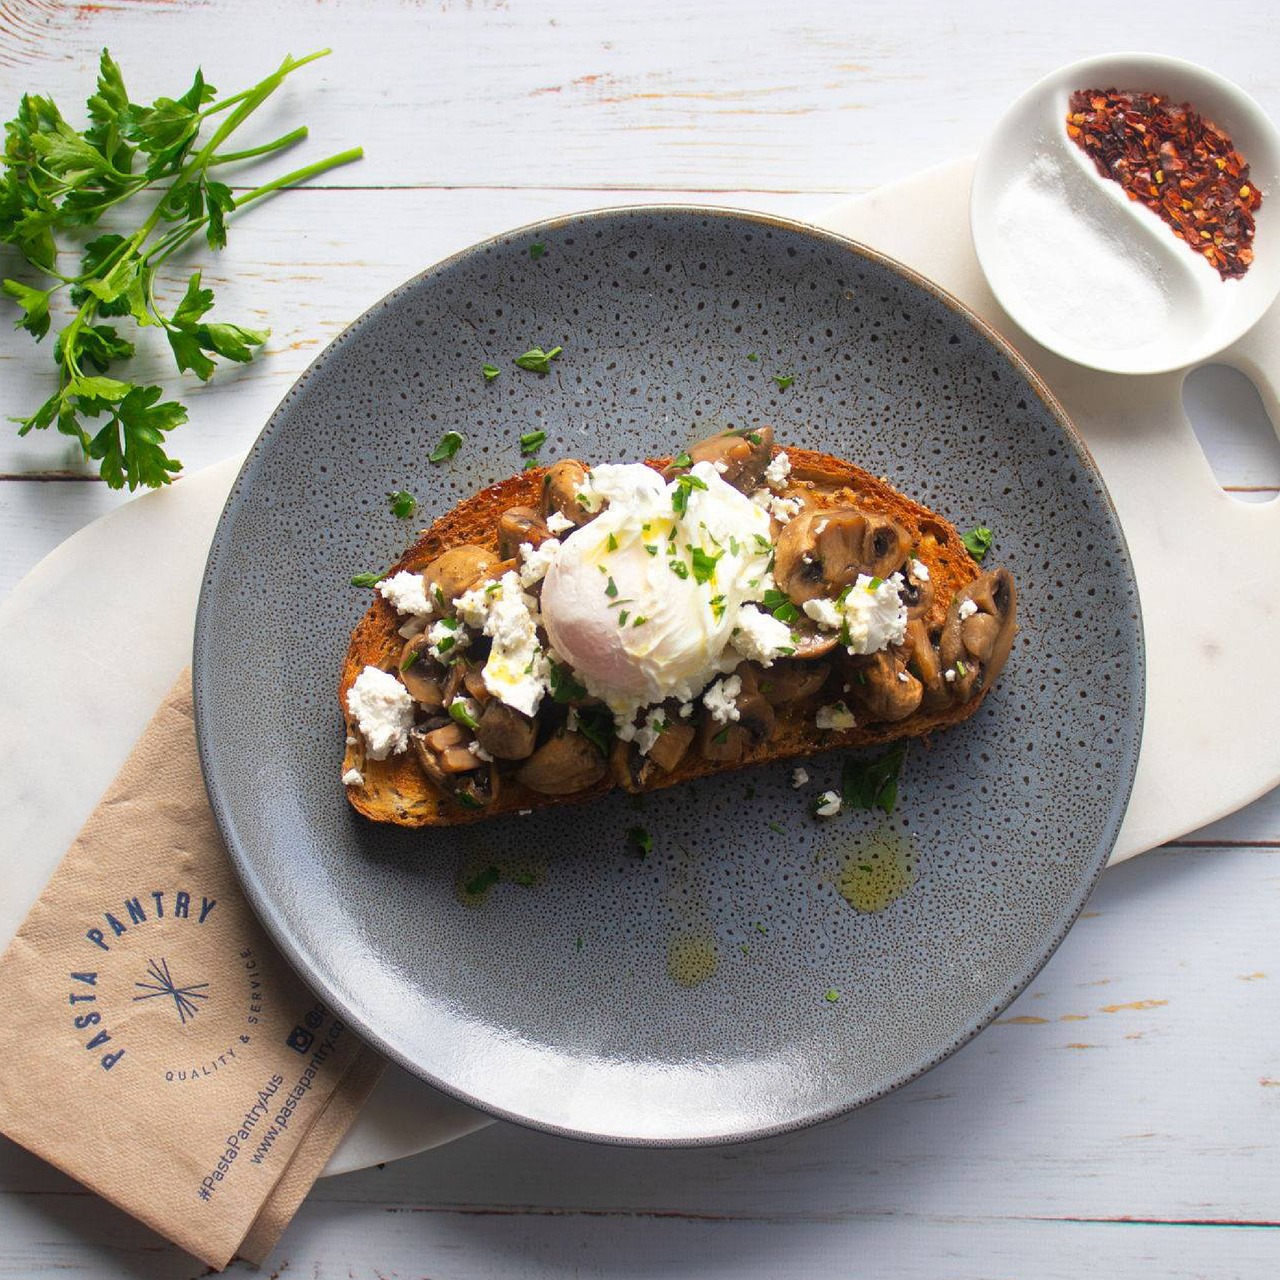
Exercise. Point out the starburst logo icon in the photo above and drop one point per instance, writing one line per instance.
(163, 986)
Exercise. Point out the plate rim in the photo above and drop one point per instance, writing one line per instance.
(276, 922)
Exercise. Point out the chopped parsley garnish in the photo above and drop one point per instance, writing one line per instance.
(763, 545)
(449, 444)
(461, 712)
(530, 443)
(535, 360)
(596, 725)
(639, 621)
(611, 588)
(875, 584)
(679, 568)
(778, 604)
(439, 595)
(578, 943)
(402, 504)
(650, 548)
(640, 841)
(368, 579)
(873, 784)
(961, 669)
(746, 433)
(751, 355)
(778, 828)
(977, 542)
(468, 801)
(844, 595)
(831, 995)
(682, 459)
(622, 618)
(760, 928)
(490, 371)
(784, 380)
(717, 607)
(704, 565)
(525, 878)
(846, 639)
(564, 688)
(536, 250)
(734, 545)
(722, 737)
(684, 486)
(612, 543)
(492, 590)
(446, 644)
(485, 879)
(410, 660)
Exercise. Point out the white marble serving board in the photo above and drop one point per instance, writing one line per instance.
(1208, 747)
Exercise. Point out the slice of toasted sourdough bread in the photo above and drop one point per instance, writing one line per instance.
(398, 790)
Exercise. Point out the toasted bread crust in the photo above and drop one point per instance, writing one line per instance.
(396, 790)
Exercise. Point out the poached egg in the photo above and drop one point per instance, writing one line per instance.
(642, 602)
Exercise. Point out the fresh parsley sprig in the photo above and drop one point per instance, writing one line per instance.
(57, 178)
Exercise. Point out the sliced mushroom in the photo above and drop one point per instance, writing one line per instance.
(518, 525)
(917, 593)
(419, 674)
(922, 658)
(443, 754)
(810, 641)
(473, 683)
(730, 742)
(562, 489)
(818, 552)
(635, 772)
(453, 682)
(505, 732)
(565, 763)
(743, 452)
(787, 681)
(884, 544)
(454, 571)
(976, 647)
(884, 688)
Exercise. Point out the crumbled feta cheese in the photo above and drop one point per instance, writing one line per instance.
(352, 739)
(871, 614)
(721, 467)
(535, 561)
(781, 509)
(517, 669)
(818, 528)
(479, 752)
(776, 473)
(760, 637)
(446, 637)
(828, 804)
(902, 675)
(650, 731)
(949, 675)
(406, 593)
(686, 710)
(799, 778)
(588, 497)
(835, 716)
(353, 778)
(919, 571)
(967, 609)
(558, 523)
(719, 699)
(383, 712)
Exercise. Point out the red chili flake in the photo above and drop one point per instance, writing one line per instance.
(1178, 164)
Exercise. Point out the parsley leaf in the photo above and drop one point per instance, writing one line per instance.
(403, 504)
(536, 360)
(490, 371)
(784, 380)
(531, 442)
(564, 688)
(55, 179)
(685, 484)
(536, 250)
(640, 841)
(449, 444)
(596, 725)
(704, 565)
(781, 606)
(977, 542)
(483, 880)
(872, 784)
(368, 579)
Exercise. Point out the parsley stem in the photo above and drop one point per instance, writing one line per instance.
(301, 175)
(286, 140)
(289, 64)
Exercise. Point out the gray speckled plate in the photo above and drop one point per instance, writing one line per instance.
(554, 1003)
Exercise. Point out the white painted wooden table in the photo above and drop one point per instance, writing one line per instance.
(1123, 1119)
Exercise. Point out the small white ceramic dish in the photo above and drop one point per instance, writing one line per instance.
(1115, 252)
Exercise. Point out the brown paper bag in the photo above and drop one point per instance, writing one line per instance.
(165, 1054)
